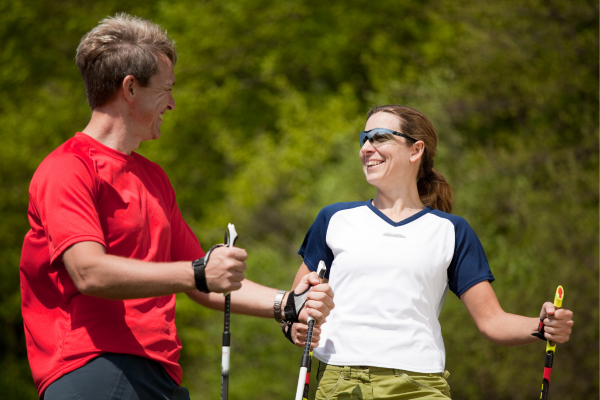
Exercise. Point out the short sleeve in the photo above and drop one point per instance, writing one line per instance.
(469, 264)
(184, 244)
(64, 192)
(314, 248)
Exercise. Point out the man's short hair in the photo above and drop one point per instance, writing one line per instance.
(121, 45)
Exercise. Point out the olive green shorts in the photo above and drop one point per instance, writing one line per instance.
(364, 383)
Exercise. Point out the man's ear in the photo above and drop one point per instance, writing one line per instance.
(417, 151)
(129, 88)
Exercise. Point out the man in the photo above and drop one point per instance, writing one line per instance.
(108, 248)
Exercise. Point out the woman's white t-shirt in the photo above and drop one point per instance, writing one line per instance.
(390, 281)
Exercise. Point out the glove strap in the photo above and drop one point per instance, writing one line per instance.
(540, 333)
(287, 332)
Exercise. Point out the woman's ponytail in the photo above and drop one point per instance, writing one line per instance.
(434, 189)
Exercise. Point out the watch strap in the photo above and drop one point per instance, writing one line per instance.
(199, 266)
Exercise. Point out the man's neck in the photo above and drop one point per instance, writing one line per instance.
(109, 127)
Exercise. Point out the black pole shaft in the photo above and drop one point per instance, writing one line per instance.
(226, 343)
(306, 356)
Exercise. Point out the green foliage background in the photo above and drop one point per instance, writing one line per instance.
(270, 97)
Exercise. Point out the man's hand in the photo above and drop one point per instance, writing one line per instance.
(557, 322)
(299, 332)
(319, 302)
(225, 269)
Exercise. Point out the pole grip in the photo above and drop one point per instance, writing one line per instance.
(551, 348)
(558, 297)
(558, 300)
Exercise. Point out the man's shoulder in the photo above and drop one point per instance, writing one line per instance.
(72, 154)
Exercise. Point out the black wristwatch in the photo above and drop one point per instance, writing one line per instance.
(199, 273)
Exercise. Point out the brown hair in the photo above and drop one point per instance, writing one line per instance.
(434, 189)
(120, 46)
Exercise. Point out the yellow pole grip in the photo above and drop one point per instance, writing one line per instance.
(558, 299)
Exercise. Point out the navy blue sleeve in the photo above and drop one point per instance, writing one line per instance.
(469, 265)
(314, 248)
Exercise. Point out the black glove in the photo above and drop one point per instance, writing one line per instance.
(295, 303)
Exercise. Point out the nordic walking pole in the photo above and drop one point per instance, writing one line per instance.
(304, 378)
(551, 348)
(307, 381)
(230, 238)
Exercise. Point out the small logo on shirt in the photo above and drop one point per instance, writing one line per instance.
(396, 235)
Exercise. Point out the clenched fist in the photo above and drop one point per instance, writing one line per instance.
(225, 269)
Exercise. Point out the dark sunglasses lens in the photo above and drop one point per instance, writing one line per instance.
(376, 138)
(382, 138)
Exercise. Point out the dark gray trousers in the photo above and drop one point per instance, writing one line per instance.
(117, 377)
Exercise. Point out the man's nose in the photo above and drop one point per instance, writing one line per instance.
(171, 104)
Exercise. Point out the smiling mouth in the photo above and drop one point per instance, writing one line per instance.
(373, 163)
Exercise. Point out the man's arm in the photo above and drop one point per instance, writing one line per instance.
(257, 300)
(98, 274)
(509, 329)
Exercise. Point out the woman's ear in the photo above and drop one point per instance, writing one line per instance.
(417, 151)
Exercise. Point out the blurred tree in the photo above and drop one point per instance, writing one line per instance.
(270, 97)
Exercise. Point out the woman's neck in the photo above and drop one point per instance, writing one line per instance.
(398, 205)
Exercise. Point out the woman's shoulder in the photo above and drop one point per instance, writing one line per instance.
(461, 226)
(321, 222)
(331, 209)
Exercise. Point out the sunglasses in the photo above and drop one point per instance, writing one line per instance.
(380, 136)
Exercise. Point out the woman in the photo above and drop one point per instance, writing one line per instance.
(390, 263)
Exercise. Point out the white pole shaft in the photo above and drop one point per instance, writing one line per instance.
(301, 380)
(225, 359)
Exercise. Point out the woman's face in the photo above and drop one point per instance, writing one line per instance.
(392, 163)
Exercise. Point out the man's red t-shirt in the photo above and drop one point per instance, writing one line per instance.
(85, 191)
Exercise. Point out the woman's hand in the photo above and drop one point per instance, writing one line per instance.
(319, 301)
(299, 331)
(509, 329)
(557, 322)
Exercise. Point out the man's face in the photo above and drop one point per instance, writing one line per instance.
(154, 101)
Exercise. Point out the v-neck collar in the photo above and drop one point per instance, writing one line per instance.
(408, 220)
